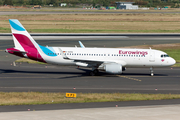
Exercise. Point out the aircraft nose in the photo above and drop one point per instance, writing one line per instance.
(172, 61)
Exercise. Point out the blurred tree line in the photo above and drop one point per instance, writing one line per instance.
(94, 3)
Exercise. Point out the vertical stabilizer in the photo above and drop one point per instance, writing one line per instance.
(21, 37)
(24, 43)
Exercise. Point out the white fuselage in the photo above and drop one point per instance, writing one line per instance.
(125, 57)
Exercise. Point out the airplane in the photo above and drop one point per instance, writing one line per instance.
(110, 60)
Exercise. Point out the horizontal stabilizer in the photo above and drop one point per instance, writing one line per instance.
(14, 50)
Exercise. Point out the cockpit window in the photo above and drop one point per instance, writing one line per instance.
(165, 55)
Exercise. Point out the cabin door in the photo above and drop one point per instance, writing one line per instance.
(152, 56)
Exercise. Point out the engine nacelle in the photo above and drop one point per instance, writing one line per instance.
(113, 68)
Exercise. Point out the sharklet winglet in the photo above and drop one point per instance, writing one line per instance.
(82, 46)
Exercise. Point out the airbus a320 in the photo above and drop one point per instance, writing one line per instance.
(110, 60)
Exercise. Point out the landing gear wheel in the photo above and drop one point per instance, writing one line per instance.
(151, 71)
(96, 71)
(152, 74)
(92, 73)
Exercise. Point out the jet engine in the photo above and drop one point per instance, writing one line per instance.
(114, 68)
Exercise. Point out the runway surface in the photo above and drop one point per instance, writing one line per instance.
(47, 78)
(156, 112)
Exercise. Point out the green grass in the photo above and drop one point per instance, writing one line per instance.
(8, 30)
(28, 61)
(33, 98)
(99, 31)
(5, 30)
(174, 53)
(176, 65)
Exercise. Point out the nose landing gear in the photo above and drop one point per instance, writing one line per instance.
(151, 71)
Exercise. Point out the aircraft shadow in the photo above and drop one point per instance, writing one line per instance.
(37, 72)
(85, 73)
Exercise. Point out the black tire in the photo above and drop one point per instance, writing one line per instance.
(92, 73)
(96, 71)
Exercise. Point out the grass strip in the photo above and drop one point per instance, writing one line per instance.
(174, 53)
(34, 98)
(25, 60)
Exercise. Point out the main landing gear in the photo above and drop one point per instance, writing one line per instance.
(151, 71)
(94, 72)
